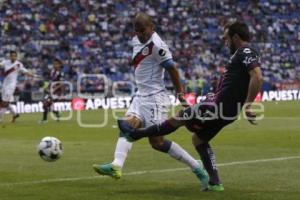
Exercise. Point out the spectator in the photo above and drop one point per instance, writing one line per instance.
(94, 36)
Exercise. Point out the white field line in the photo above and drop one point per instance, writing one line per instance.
(146, 172)
(267, 117)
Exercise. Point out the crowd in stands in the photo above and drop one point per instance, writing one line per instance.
(94, 36)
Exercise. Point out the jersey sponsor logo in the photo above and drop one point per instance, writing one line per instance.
(146, 51)
(249, 59)
(253, 57)
(162, 52)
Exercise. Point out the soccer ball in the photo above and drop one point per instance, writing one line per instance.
(50, 149)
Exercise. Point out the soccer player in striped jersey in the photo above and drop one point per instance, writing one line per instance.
(12, 68)
(151, 57)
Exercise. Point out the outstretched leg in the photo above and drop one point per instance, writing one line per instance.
(168, 126)
(165, 128)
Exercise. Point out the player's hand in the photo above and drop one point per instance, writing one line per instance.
(182, 100)
(250, 116)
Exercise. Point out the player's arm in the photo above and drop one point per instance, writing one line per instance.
(256, 81)
(255, 84)
(167, 127)
(251, 61)
(57, 86)
(31, 74)
(28, 72)
(171, 68)
(164, 57)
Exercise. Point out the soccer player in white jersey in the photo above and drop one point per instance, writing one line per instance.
(12, 67)
(151, 57)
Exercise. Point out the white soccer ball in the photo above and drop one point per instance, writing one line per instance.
(50, 149)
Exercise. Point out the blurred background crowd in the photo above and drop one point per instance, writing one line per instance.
(94, 37)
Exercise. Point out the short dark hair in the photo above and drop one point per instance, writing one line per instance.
(141, 18)
(239, 28)
(57, 60)
(12, 51)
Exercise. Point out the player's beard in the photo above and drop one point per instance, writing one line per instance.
(232, 49)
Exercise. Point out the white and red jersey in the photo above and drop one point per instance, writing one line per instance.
(146, 59)
(11, 72)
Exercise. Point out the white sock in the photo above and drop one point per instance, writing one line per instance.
(2, 112)
(121, 151)
(11, 109)
(180, 154)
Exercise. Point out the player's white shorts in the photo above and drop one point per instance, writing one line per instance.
(8, 94)
(151, 109)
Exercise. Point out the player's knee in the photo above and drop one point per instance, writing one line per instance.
(157, 145)
(160, 144)
(134, 121)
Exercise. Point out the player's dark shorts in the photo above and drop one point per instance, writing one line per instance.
(49, 100)
(55, 97)
(203, 120)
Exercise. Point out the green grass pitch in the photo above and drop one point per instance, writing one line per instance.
(256, 162)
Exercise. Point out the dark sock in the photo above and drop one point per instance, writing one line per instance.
(121, 134)
(45, 113)
(164, 128)
(209, 161)
(56, 113)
